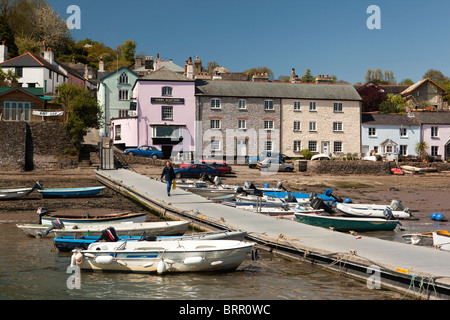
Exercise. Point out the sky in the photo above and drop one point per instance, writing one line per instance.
(329, 37)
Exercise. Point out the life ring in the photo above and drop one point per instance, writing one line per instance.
(372, 152)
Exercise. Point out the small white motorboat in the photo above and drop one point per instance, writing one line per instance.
(441, 239)
(16, 193)
(163, 256)
(374, 210)
(163, 228)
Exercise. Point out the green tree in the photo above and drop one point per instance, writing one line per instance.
(251, 72)
(7, 35)
(8, 79)
(393, 104)
(379, 77)
(128, 51)
(421, 149)
(407, 82)
(308, 77)
(82, 113)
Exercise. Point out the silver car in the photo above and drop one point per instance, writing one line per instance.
(274, 164)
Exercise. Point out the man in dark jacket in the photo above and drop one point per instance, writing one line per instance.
(168, 175)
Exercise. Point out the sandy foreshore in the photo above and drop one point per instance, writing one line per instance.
(422, 193)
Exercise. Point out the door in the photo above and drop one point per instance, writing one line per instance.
(241, 148)
(326, 147)
(167, 151)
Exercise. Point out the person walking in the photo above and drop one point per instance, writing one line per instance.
(168, 175)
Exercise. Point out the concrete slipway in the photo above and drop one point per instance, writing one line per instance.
(414, 269)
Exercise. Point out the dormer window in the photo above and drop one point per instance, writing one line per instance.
(166, 91)
(123, 78)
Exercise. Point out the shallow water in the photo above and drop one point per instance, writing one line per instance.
(32, 268)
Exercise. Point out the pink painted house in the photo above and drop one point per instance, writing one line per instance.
(164, 115)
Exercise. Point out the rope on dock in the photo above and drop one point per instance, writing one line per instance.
(421, 290)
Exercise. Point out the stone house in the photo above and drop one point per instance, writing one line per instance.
(424, 95)
(389, 135)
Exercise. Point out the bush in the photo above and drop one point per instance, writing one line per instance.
(306, 153)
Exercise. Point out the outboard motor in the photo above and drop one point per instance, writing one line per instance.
(317, 203)
(109, 235)
(387, 212)
(290, 198)
(240, 190)
(42, 212)
(217, 181)
(151, 237)
(56, 224)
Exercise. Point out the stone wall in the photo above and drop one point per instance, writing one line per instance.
(35, 145)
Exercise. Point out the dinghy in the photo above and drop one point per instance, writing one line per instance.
(163, 228)
(46, 218)
(70, 243)
(374, 210)
(441, 239)
(419, 239)
(16, 193)
(341, 223)
(71, 192)
(163, 256)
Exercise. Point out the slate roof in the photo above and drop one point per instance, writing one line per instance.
(378, 119)
(435, 117)
(418, 84)
(165, 75)
(30, 60)
(223, 88)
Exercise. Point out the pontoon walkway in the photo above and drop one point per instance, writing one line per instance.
(399, 265)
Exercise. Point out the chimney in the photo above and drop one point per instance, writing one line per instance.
(137, 62)
(323, 79)
(197, 65)
(156, 64)
(49, 56)
(42, 49)
(260, 76)
(3, 52)
(190, 69)
(101, 65)
(148, 63)
(293, 78)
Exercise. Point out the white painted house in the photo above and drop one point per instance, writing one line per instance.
(35, 71)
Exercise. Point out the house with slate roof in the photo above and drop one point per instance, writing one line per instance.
(389, 135)
(165, 115)
(435, 132)
(36, 71)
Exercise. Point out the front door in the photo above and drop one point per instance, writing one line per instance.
(241, 148)
(326, 147)
(167, 151)
(447, 151)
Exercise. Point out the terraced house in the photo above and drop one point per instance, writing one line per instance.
(239, 118)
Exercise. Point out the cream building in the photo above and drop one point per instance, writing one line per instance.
(324, 118)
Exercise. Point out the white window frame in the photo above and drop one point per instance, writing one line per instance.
(166, 112)
(312, 106)
(215, 123)
(372, 131)
(242, 104)
(215, 103)
(434, 132)
(297, 126)
(166, 91)
(123, 78)
(434, 151)
(242, 124)
(313, 126)
(403, 132)
(268, 105)
(215, 145)
(268, 146)
(403, 150)
(297, 106)
(312, 146)
(16, 113)
(297, 146)
(269, 125)
(337, 107)
(123, 94)
(338, 127)
(338, 147)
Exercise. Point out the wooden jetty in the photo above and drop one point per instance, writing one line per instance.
(422, 271)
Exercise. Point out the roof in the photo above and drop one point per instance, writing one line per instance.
(285, 90)
(165, 75)
(418, 84)
(163, 64)
(378, 119)
(30, 60)
(33, 92)
(433, 117)
(102, 75)
(389, 88)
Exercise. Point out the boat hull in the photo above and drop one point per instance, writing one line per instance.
(346, 223)
(441, 239)
(165, 256)
(100, 219)
(164, 228)
(71, 243)
(71, 192)
(369, 211)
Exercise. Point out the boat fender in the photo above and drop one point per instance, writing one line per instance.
(433, 216)
(216, 263)
(121, 262)
(266, 185)
(104, 259)
(439, 217)
(78, 258)
(193, 260)
(148, 264)
(348, 200)
(161, 268)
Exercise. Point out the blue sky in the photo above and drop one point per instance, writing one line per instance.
(329, 37)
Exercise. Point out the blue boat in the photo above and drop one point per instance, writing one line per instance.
(298, 195)
(68, 243)
(71, 192)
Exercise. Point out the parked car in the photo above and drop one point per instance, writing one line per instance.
(196, 171)
(252, 161)
(221, 165)
(145, 151)
(274, 164)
